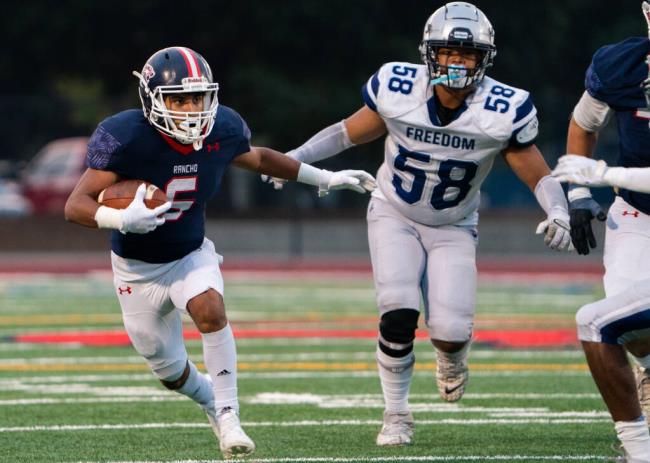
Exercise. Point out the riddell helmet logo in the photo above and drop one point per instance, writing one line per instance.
(148, 72)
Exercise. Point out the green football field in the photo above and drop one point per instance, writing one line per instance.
(305, 397)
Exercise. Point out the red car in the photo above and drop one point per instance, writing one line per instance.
(50, 177)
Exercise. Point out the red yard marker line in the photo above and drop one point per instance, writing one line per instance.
(497, 338)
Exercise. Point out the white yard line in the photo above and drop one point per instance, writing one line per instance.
(279, 375)
(291, 424)
(295, 356)
(428, 458)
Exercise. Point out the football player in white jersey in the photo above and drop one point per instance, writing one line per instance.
(618, 84)
(445, 123)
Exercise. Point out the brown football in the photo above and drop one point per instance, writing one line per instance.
(119, 195)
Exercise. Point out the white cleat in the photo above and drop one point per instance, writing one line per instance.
(452, 376)
(233, 441)
(643, 389)
(396, 430)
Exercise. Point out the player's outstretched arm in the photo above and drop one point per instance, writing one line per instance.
(531, 168)
(82, 206)
(589, 116)
(580, 170)
(275, 164)
(363, 126)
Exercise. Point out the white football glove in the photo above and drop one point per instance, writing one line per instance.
(580, 170)
(278, 183)
(355, 180)
(138, 218)
(557, 232)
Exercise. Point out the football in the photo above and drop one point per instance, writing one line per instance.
(120, 195)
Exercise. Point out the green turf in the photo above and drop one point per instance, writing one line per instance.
(519, 424)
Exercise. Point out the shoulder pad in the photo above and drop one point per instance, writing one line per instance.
(229, 122)
(397, 88)
(502, 108)
(616, 72)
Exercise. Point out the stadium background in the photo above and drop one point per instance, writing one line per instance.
(298, 283)
(290, 68)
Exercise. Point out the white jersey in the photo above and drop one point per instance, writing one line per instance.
(433, 173)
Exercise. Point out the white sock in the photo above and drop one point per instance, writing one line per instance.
(635, 438)
(197, 387)
(395, 375)
(220, 357)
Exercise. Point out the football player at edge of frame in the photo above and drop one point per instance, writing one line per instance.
(445, 121)
(617, 84)
(181, 141)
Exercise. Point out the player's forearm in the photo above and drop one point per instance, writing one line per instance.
(81, 209)
(327, 143)
(550, 196)
(635, 179)
(276, 164)
(580, 141)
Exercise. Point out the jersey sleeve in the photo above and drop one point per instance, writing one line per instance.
(244, 136)
(103, 150)
(396, 88)
(370, 91)
(616, 71)
(525, 125)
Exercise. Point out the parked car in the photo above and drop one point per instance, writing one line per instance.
(12, 201)
(52, 174)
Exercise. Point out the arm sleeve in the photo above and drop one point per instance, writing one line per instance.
(550, 196)
(630, 178)
(326, 143)
(591, 114)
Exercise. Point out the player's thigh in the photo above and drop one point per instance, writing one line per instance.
(397, 256)
(617, 319)
(153, 326)
(627, 247)
(196, 273)
(449, 286)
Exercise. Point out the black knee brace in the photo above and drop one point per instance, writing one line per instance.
(397, 332)
(178, 383)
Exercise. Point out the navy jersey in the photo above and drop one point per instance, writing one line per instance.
(614, 77)
(129, 146)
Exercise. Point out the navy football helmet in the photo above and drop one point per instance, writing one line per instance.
(178, 70)
(457, 25)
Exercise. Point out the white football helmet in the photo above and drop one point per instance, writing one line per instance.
(457, 25)
(176, 70)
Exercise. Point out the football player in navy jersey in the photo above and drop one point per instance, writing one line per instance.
(181, 141)
(617, 85)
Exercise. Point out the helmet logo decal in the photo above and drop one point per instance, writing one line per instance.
(148, 72)
(461, 34)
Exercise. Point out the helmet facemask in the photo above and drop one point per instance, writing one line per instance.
(454, 76)
(457, 26)
(187, 127)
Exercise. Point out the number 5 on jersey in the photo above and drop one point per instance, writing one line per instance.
(179, 206)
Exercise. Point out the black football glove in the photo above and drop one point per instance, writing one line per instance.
(581, 212)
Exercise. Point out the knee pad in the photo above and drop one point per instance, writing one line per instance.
(176, 382)
(397, 332)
